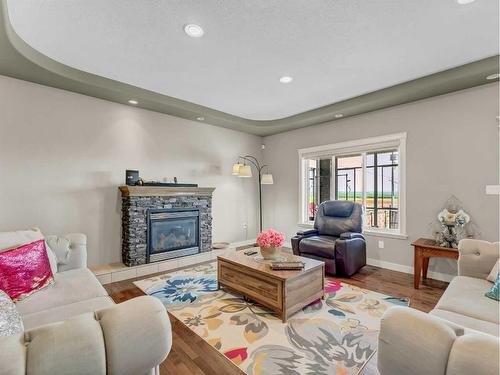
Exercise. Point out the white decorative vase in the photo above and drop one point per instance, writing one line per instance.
(269, 253)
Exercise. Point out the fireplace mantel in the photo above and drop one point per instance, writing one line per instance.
(164, 191)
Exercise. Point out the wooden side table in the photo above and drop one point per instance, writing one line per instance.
(425, 248)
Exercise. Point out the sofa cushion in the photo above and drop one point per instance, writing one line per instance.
(465, 295)
(323, 246)
(59, 313)
(69, 287)
(13, 354)
(467, 322)
(474, 354)
(75, 346)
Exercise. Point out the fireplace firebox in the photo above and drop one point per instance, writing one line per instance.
(172, 233)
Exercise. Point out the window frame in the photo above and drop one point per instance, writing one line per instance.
(360, 146)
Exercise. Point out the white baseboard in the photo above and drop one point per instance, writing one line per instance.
(407, 269)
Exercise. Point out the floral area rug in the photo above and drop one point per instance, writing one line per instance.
(334, 336)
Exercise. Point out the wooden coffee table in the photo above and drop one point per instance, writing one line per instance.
(284, 292)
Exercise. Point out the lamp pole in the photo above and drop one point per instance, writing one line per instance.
(253, 160)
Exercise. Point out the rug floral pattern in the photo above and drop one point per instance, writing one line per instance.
(334, 336)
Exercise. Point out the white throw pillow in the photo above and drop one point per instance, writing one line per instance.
(9, 240)
(10, 320)
(494, 272)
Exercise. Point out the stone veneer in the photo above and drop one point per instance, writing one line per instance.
(135, 204)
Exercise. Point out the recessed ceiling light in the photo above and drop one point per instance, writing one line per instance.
(464, 2)
(134, 102)
(493, 76)
(338, 115)
(200, 118)
(193, 30)
(286, 79)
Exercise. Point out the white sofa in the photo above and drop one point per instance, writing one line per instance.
(74, 327)
(460, 336)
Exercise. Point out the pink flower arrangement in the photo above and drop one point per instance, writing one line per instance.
(270, 238)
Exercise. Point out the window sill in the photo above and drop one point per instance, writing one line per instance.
(309, 225)
(368, 232)
(376, 233)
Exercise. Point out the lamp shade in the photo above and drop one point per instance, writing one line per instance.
(236, 169)
(267, 179)
(245, 171)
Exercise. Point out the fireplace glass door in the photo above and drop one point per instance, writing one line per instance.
(173, 233)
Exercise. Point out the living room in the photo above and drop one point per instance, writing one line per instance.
(249, 187)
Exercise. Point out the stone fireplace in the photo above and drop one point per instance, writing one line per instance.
(161, 223)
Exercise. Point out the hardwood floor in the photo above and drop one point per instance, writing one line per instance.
(190, 354)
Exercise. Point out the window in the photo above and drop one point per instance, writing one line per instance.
(382, 180)
(368, 171)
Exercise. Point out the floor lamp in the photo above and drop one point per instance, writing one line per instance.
(244, 170)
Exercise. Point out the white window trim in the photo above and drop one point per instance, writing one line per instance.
(397, 140)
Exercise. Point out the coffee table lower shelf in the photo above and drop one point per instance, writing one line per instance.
(284, 292)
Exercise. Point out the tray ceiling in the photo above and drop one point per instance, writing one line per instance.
(334, 50)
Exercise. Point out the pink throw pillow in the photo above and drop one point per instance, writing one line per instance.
(25, 270)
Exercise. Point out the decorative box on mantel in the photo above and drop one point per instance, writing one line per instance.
(161, 223)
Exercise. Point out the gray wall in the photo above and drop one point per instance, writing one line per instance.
(63, 155)
(452, 149)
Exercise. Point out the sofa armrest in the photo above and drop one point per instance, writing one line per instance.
(300, 235)
(351, 235)
(477, 258)
(350, 254)
(126, 339)
(413, 343)
(138, 335)
(70, 250)
(307, 232)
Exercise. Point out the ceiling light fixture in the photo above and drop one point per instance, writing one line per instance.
(193, 30)
(286, 79)
(339, 115)
(134, 102)
(200, 118)
(493, 76)
(465, 2)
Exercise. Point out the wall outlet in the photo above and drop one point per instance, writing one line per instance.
(381, 244)
(245, 226)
